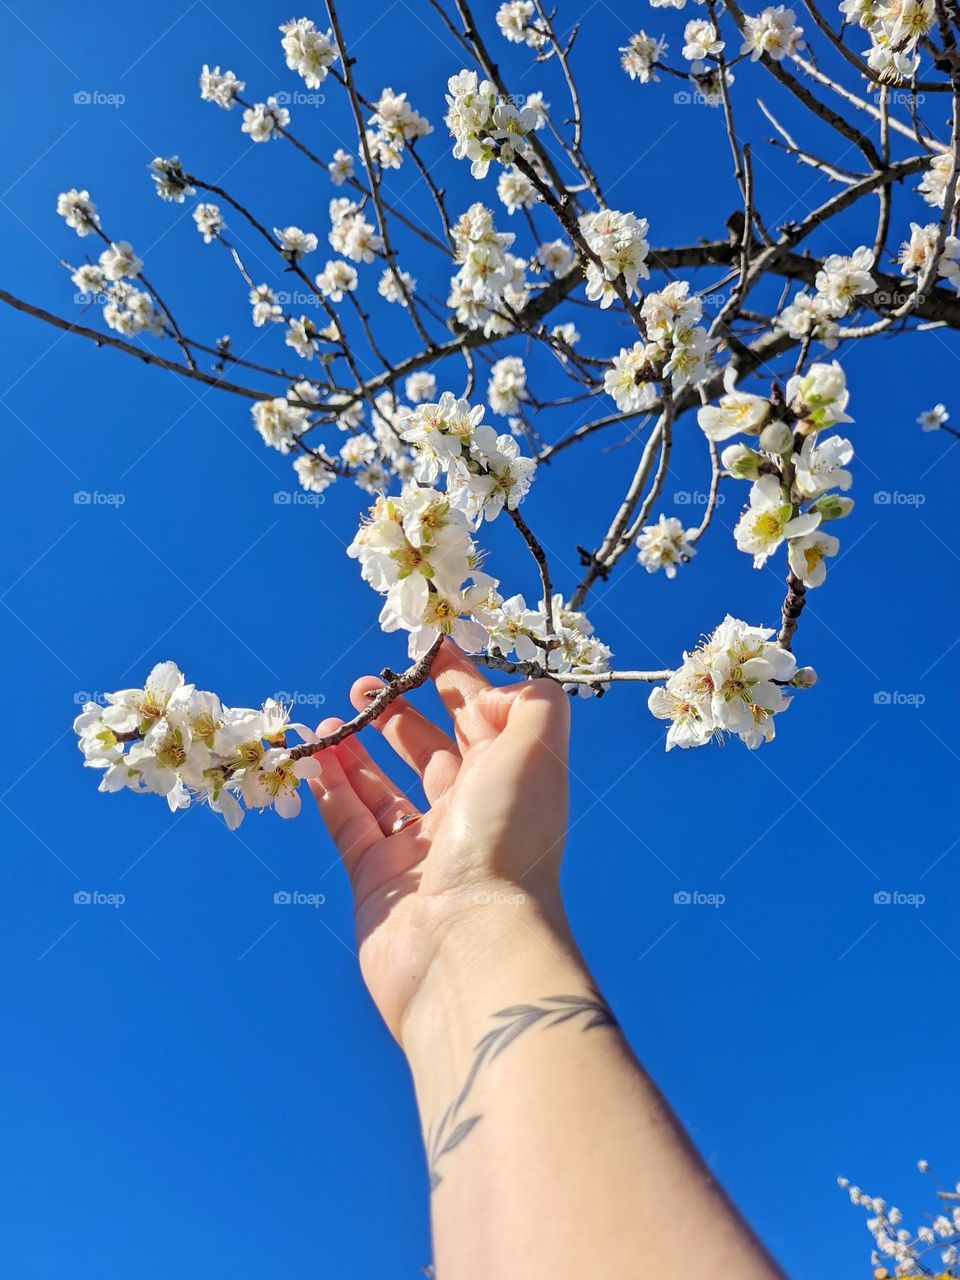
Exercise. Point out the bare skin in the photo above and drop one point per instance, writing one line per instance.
(552, 1154)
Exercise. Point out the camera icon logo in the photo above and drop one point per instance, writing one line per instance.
(282, 898)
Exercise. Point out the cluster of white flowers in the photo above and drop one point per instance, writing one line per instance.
(664, 545)
(484, 125)
(263, 120)
(842, 280)
(573, 649)
(78, 211)
(170, 179)
(265, 306)
(130, 311)
(309, 52)
(641, 55)
(490, 281)
(732, 683)
(294, 243)
(773, 32)
(794, 472)
(517, 22)
(619, 241)
(173, 740)
(336, 279)
(515, 190)
(933, 185)
(677, 346)
(393, 124)
(221, 89)
(910, 1251)
(280, 422)
(484, 472)
(507, 386)
(396, 286)
(350, 233)
(209, 221)
(895, 29)
(916, 253)
(126, 309)
(417, 552)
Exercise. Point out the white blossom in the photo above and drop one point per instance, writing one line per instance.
(641, 55)
(221, 89)
(78, 211)
(701, 40)
(118, 261)
(806, 556)
(265, 305)
(279, 422)
(507, 385)
(515, 190)
(336, 279)
(769, 519)
(263, 119)
(209, 221)
(517, 20)
(773, 32)
(933, 419)
(340, 167)
(664, 545)
(309, 52)
(732, 683)
(170, 180)
(388, 286)
(420, 386)
(294, 243)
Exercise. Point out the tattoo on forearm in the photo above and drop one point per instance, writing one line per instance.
(592, 1011)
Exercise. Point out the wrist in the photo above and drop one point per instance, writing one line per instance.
(495, 944)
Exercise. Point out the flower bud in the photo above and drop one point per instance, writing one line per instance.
(776, 437)
(741, 462)
(805, 678)
(833, 507)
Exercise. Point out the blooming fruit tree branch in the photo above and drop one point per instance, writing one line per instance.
(749, 360)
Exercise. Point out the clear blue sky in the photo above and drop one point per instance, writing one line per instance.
(195, 1083)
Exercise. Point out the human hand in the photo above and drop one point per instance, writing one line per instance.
(487, 848)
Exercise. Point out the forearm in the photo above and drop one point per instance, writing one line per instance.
(552, 1154)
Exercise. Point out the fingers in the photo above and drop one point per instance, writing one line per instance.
(382, 797)
(417, 741)
(459, 682)
(351, 825)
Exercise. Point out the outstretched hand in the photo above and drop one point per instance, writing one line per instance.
(495, 826)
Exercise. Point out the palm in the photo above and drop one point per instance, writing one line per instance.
(485, 787)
